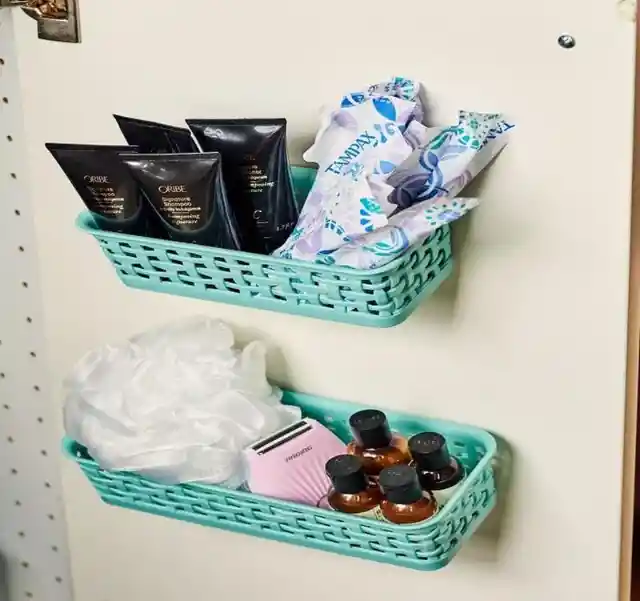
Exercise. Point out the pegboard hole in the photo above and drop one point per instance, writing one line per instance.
(17, 212)
(58, 579)
(5, 100)
(28, 595)
(51, 517)
(47, 484)
(21, 534)
(25, 284)
(10, 439)
(21, 249)
(54, 548)
(1, 61)
(18, 503)
(44, 453)
(24, 564)
(2, 375)
(7, 407)
(13, 176)
(36, 388)
(9, 138)
(32, 354)
(29, 320)
(14, 471)
(41, 420)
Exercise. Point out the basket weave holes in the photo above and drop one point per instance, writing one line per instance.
(429, 258)
(288, 529)
(443, 259)
(485, 498)
(376, 546)
(414, 259)
(221, 265)
(332, 537)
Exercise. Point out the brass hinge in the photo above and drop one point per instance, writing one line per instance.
(57, 19)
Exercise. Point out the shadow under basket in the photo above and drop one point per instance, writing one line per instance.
(430, 545)
(380, 297)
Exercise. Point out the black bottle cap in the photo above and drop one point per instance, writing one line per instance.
(400, 484)
(429, 451)
(371, 429)
(347, 474)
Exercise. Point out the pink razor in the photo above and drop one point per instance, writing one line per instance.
(290, 464)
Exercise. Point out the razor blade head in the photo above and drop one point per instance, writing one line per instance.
(290, 464)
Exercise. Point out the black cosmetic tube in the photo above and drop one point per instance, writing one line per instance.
(187, 193)
(104, 184)
(156, 137)
(257, 174)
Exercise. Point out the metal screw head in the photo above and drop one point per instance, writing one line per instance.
(567, 41)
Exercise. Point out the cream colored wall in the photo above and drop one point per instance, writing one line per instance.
(528, 342)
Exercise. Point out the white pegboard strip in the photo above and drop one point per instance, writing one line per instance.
(34, 561)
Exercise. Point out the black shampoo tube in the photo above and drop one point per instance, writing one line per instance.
(156, 137)
(257, 174)
(105, 186)
(187, 192)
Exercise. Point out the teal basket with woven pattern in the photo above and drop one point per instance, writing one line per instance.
(380, 297)
(430, 545)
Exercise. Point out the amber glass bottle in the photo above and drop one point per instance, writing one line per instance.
(374, 442)
(352, 491)
(404, 500)
(438, 472)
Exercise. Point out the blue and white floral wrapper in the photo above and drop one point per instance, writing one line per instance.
(450, 159)
(368, 134)
(418, 135)
(385, 181)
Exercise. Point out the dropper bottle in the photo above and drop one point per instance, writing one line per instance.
(374, 442)
(438, 471)
(352, 491)
(404, 501)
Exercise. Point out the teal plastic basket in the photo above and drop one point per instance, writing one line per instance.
(427, 546)
(381, 297)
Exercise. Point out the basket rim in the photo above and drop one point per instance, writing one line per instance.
(86, 223)
(70, 448)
